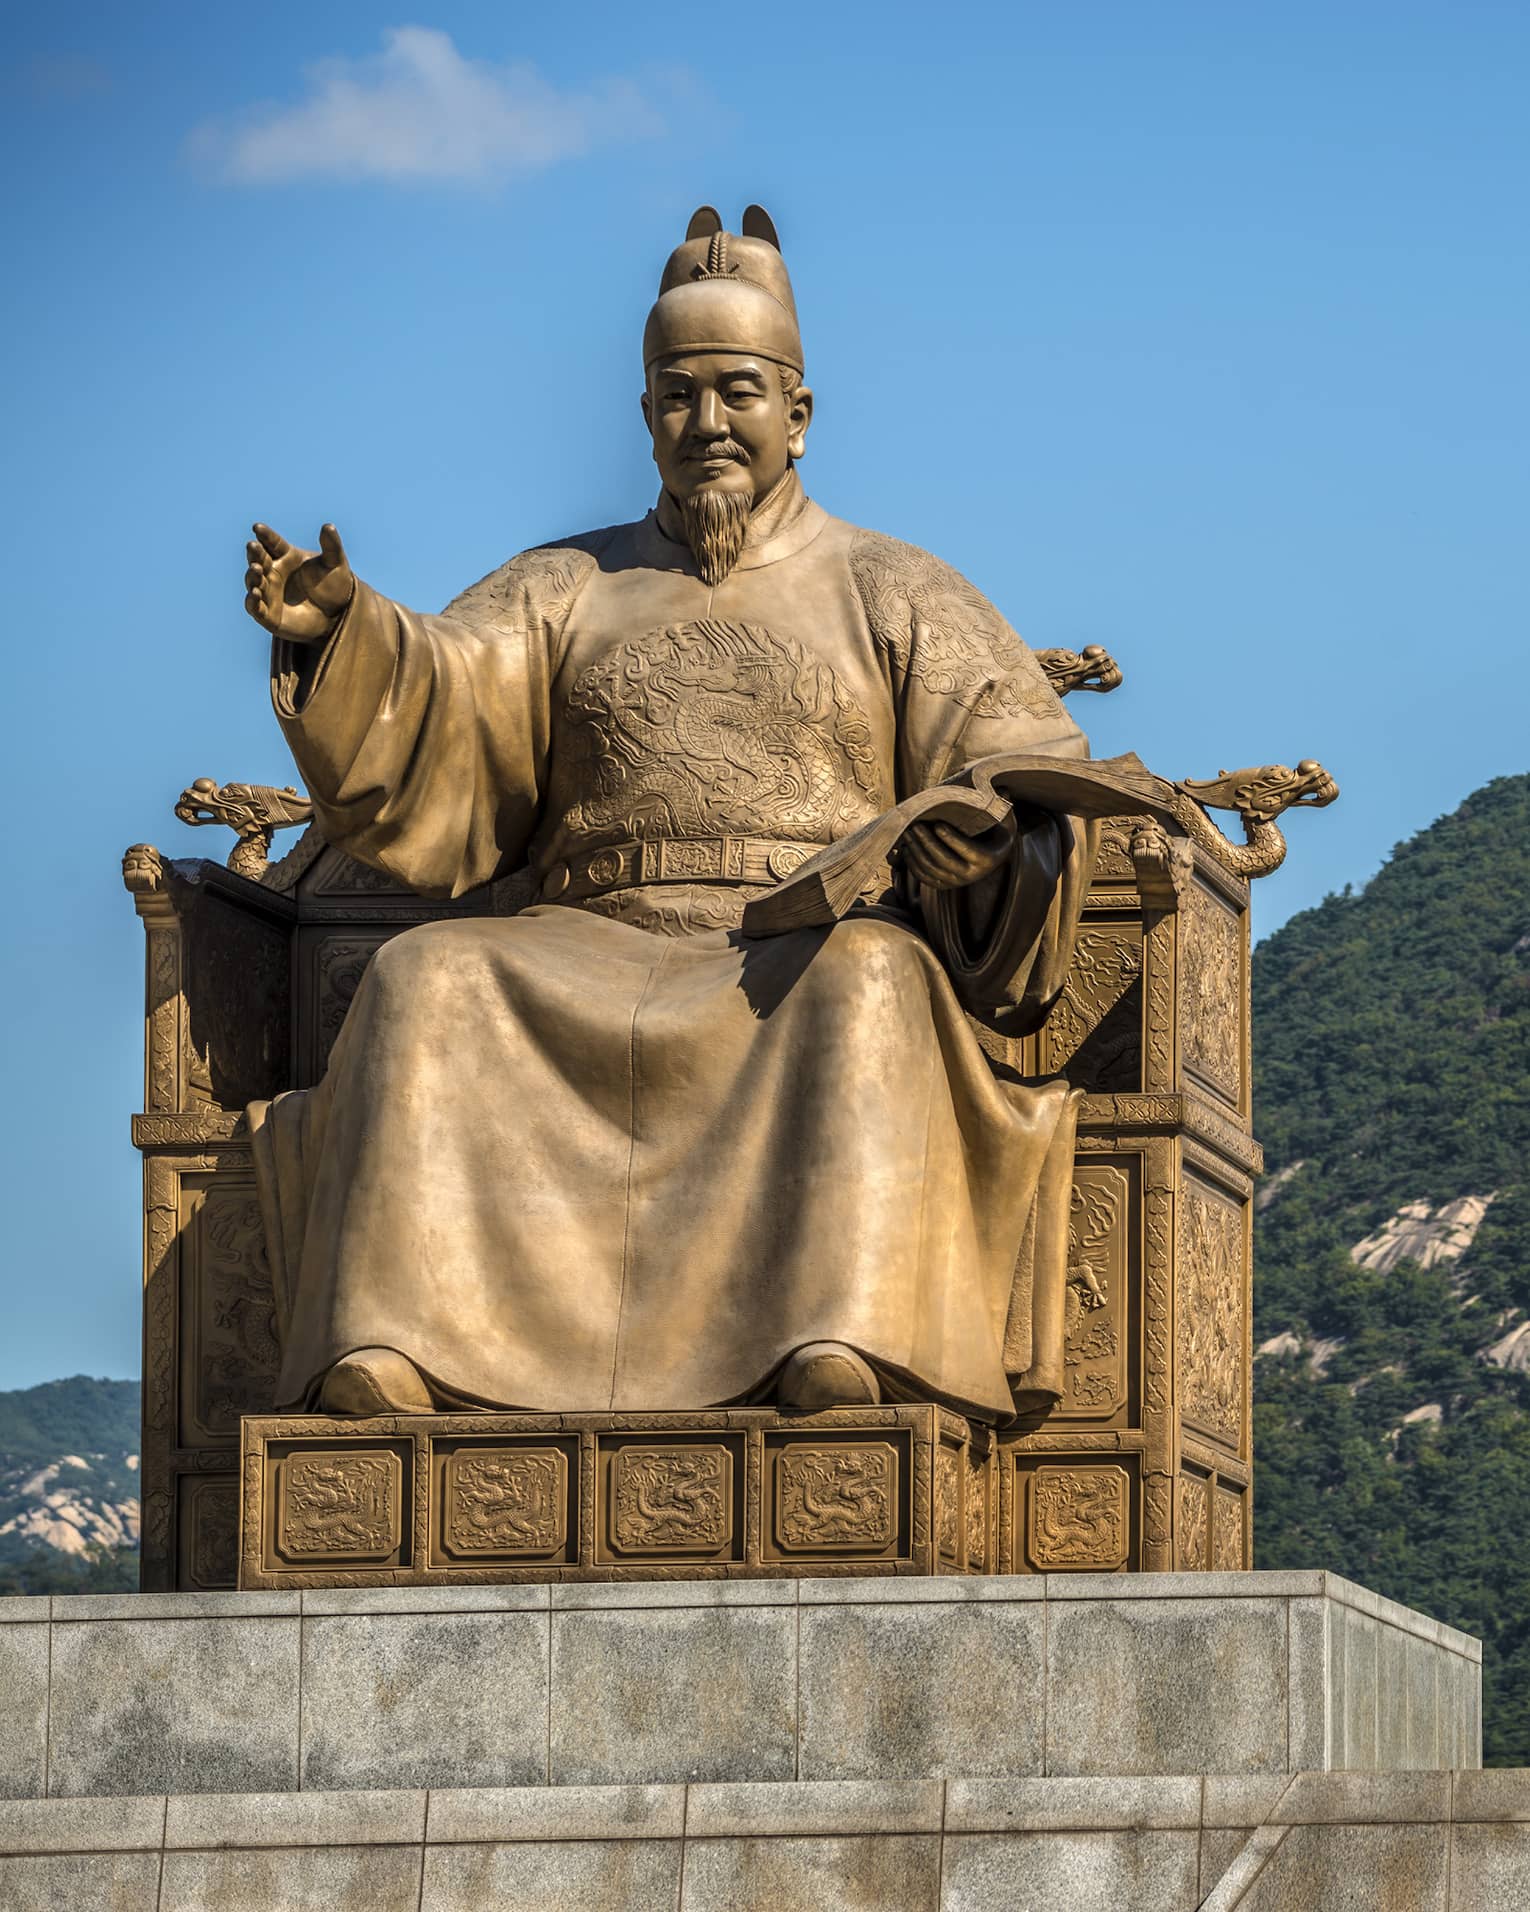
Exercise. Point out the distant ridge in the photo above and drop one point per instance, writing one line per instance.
(1392, 1240)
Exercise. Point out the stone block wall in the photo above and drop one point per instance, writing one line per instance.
(726, 1681)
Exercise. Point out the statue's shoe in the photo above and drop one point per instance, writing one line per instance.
(826, 1374)
(375, 1381)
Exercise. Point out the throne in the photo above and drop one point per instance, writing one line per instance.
(1145, 1463)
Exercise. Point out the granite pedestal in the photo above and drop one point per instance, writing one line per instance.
(1085, 1740)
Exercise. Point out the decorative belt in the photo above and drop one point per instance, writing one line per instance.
(715, 859)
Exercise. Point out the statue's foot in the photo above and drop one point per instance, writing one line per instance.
(375, 1381)
(826, 1374)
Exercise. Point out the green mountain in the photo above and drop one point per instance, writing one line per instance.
(1392, 1251)
(69, 1487)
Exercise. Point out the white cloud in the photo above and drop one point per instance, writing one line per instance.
(419, 111)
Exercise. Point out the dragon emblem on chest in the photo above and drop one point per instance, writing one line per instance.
(713, 727)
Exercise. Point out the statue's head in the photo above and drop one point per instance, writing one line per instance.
(724, 398)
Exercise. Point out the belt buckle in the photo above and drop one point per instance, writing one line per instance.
(687, 859)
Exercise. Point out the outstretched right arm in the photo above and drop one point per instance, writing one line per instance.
(422, 740)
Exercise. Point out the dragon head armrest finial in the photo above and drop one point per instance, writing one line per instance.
(254, 811)
(1092, 668)
(1259, 796)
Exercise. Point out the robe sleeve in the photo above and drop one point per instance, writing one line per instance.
(422, 740)
(964, 688)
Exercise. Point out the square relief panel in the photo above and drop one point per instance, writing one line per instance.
(1076, 1515)
(507, 1501)
(339, 1505)
(849, 1498)
(681, 1498)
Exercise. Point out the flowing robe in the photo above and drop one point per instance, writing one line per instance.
(608, 1152)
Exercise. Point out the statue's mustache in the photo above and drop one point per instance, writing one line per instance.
(718, 448)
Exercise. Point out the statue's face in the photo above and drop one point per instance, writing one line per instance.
(722, 421)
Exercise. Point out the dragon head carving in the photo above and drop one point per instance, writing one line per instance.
(1259, 796)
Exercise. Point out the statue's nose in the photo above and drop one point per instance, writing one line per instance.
(708, 419)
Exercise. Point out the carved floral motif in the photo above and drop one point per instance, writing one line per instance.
(977, 1512)
(1227, 1532)
(947, 1502)
(671, 1497)
(237, 1354)
(505, 1500)
(839, 1495)
(1211, 995)
(1078, 1516)
(1194, 1517)
(1095, 1029)
(1095, 1320)
(1211, 1313)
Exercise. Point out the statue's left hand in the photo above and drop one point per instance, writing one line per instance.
(942, 857)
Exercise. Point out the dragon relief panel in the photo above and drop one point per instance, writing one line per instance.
(337, 963)
(340, 1506)
(210, 1519)
(231, 1347)
(504, 1500)
(1078, 1517)
(712, 728)
(839, 1495)
(1113, 861)
(1211, 991)
(1210, 1306)
(1095, 1030)
(671, 1499)
(1194, 1521)
(1227, 1532)
(1095, 1351)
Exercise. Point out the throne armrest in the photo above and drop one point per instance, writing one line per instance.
(218, 995)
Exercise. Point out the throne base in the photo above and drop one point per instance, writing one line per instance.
(722, 1493)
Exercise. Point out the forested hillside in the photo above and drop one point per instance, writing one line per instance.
(1392, 1254)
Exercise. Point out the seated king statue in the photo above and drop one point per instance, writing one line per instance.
(611, 1151)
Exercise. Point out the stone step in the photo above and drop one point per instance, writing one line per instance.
(1309, 1842)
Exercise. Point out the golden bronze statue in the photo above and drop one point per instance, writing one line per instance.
(656, 1140)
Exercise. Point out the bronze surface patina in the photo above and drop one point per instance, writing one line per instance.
(732, 1086)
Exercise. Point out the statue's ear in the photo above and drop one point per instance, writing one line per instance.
(705, 220)
(758, 224)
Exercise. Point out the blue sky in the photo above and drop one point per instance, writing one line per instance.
(1193, 330)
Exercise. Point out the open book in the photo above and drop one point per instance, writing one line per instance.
(981, 797)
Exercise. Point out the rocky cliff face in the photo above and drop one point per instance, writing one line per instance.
(68, 1484)
(1392, 1238)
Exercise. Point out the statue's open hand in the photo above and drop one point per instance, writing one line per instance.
(944, 858)
(297, 594)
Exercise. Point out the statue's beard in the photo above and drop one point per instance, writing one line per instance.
(716, 524)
